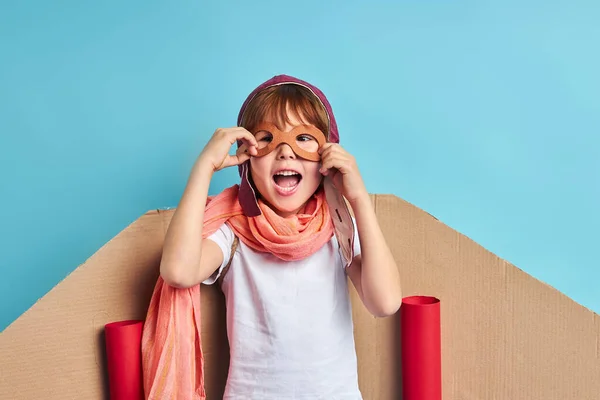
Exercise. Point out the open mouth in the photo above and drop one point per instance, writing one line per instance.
(287, 180)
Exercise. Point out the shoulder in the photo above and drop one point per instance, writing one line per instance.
(226, 240)
(222, 236)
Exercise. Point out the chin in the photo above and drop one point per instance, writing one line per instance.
(288, 205)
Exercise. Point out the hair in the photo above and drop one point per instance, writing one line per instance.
(273, 103)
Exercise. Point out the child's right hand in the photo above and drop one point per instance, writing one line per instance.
(216, 152)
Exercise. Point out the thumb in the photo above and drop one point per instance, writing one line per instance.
(230, 161)
(241, 155)
(236, 159)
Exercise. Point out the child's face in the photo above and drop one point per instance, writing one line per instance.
(284, 180)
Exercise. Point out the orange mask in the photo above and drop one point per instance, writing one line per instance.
(305, 140)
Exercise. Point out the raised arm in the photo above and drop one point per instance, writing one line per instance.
(187, 258)
(374, 272)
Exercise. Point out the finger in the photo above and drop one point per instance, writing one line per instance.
(327, 165)
(330, 145)
(242, 149)
(240, 159)
(333, 153)
(340, 163)
(235, 160)
(325, 154)
(247, 150)
(331, 170)
(334, 149)
(243, 135)
(249, 145)
(325, 146)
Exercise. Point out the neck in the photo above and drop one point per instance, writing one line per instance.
(286, 214)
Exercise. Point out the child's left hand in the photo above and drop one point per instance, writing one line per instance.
(343, 170)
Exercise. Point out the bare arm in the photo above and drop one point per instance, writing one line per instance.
(374, 272)
(187, 258)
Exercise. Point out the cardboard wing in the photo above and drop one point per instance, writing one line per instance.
(505, 335)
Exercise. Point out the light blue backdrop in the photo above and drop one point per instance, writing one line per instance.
(485, 114)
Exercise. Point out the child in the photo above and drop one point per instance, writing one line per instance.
(281, 245)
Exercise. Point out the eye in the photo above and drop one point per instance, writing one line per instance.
(264, 136)
(304, 138)
(307, 143)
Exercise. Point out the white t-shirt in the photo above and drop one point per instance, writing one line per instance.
(289, 324)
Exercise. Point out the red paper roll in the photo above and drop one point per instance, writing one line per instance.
(421, 348)
(124, 359)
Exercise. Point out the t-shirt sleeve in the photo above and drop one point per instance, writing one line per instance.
(223, 237)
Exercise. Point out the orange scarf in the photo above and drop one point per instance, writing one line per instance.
(172, 360)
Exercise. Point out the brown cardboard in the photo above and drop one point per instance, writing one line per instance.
(505, 335)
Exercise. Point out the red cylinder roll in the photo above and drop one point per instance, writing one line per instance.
(421, 348)
(124, 359)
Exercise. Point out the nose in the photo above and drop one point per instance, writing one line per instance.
(285, 152)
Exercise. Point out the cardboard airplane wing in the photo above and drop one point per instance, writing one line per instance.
(505, 335)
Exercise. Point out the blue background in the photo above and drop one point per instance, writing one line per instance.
(485, 114)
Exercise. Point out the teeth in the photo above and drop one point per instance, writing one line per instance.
(286, 189)
(287, 173)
